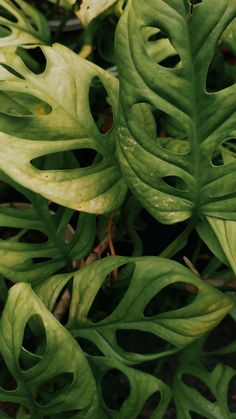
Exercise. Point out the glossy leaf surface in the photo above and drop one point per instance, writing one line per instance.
(172, 186)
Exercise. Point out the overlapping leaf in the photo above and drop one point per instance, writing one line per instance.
(90, 9)
(175, 185)
(197, 390)
(151, 275)
(22, 24)
(24, 259)
(64, 86)
(61, 356)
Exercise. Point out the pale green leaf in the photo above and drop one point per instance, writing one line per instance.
(28, 27)
(67, 4)
(173, 186)
(90, 9)
(64, 86)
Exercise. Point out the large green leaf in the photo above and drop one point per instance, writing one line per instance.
(174, 185)
(22, 24)
(64, 86)
(61, 357)
(91, 9)
(22, 256)
(149, 276)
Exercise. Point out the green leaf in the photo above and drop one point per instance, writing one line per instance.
(62, 357)
(97, 188)
(22, 256)
(219, 235)
(151, 275)
(174, 185)
(212, 399)
(22, 24)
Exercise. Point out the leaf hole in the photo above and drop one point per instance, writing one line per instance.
(8, 232)
(42, 260)
(140, 342)
(159, 47)
(111, 293)
(232, 394)
(115, 388)
(176, 182)
(9, 408)
(26, 104)
(33, 58)
(4, 31)
(172, 297)
(199, 385)
(54, 387)
(218, 77)
(89, 347)
(12, 71)
(150, 406)
(5, 13)
(34, 339)
(225, 153)
(195, 415)
(33, 236)
(171, 411)
(68, 160)
(7, 381)
(100, 107)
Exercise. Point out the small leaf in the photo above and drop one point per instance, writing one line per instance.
(27, 25)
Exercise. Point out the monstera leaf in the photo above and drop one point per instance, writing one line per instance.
(175, 184)
(22, 24)
(60, 358)
(90, 9)
(39, 247)
(67, 4)
(64, 86)
(136, 311)
(198, 391)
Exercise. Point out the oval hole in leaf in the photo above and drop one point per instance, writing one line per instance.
(176, 183)
(9, 408)
(26, 104)
(159, 47)
(53, 387)
(33, 236)
(68, 160)
(5, 31)
(199, 385)
(172, 297)
(232, 394)
(137, 341)
(34, 339)
(7, 381)
(115, 388)
(150, 405)
(62, 305)
(88, 347)
(100, 108)
(8, 232)
(7, 14)
(33, 58)
(12, 71)
(111, 293)
(218, 78)
(41, 260)
(225, 153)
(171, 411)
(195, 415)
